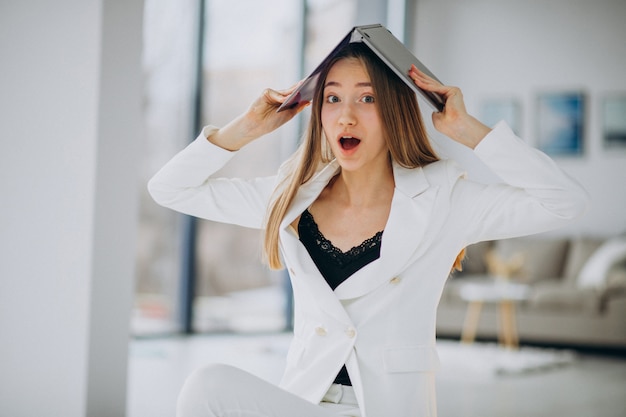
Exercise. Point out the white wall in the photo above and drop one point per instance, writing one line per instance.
(69, 117)
(509, 48)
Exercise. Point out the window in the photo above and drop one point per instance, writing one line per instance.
(169, 62)
(247, 46)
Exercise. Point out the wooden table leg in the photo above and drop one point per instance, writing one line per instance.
(508, 326)
(470, 324)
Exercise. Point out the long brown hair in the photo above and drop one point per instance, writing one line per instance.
(402, 126)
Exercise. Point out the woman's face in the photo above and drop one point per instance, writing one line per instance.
(350, 117)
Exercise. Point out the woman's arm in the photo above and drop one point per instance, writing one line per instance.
(535, 196)
(186, 183)
(260, 119)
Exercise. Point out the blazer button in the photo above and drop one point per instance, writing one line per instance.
(395, 280)
(320, 331)
(350, 332)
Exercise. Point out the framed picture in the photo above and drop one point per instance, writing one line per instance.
(560, 123)
(507, 109)
(614, 122)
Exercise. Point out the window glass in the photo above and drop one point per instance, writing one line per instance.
(235, 291)
(169, 60)
(247, 45)
(327, 22)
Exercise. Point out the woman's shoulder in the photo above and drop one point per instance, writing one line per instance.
(444, 172)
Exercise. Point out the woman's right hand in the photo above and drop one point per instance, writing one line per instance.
(260, 119)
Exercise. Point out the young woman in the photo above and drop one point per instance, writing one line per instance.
(368, 222)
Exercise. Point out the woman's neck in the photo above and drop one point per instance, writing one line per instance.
(362, 189)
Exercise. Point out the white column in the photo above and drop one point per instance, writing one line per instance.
(116, 206)
(69, 121)
(396, 18)
(371, 11)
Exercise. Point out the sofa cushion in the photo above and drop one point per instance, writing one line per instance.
(543, 258)
(556, 296)
(594, 272)
(581, 248)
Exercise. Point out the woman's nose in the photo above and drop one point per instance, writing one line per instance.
(347, 116)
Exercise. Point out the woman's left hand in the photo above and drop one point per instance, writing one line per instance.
(453, 121)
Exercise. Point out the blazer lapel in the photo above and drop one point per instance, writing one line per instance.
(309, 192)
(315, 283)
(411, 208)
(310, 280)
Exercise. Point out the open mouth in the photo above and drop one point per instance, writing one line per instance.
(349, 142)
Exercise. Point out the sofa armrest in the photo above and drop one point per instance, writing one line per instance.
(615, 288)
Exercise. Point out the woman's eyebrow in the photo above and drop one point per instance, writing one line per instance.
(337, 84)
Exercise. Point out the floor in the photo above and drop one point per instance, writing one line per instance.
(479, 380)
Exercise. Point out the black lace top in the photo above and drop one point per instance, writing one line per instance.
(334, 265)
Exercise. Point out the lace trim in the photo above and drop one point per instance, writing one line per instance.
(334, 253)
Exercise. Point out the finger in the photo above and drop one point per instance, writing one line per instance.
(273, 96)
(288, 91)
(301, 106)
(415, 72)
(429, 84)
(298, 105)
(279, 96)
(422, 81)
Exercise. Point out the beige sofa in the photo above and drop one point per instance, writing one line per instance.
(576, 290)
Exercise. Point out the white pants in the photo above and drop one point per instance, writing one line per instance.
(225, 391)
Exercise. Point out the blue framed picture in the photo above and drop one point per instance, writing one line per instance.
(614, 122)
(560, 123)
(497, 109)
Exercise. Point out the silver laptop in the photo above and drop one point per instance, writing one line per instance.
(388, 48)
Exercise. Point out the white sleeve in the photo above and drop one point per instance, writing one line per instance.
(185, 184)
(536, 195)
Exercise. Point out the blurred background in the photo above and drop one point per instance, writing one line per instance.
(205, 71)
(95, 96)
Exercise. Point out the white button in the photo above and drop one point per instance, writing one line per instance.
(395, 280)
(320, 331)
(292, 272)
(350, 332)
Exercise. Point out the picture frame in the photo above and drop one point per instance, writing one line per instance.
(560, 122)
(508, 109)
(614, 121)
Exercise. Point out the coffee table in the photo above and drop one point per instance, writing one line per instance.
(497, 291)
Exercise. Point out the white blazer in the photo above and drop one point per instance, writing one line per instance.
(380, 322)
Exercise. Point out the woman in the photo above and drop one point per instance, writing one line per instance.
(368, 222)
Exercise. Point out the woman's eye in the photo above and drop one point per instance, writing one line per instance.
(332, 99)
(368, 99)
